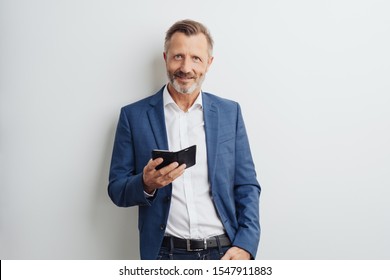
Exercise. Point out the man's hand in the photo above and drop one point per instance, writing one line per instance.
(236, 253)
(155, 179)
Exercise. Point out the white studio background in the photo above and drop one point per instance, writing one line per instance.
(313, 80)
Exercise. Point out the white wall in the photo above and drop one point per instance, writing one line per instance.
(313, 81)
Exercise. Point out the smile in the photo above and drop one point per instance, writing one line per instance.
(183, 77)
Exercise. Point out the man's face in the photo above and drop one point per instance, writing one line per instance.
(187, 61)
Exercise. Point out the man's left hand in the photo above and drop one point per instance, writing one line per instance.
(236, 253)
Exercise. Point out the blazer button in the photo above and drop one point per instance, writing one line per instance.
(162, 227)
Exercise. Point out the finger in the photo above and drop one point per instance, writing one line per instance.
(236, 253)
(172, 175)
(165, 170)
(177, 172)
(228, 254)
(225, 257)
(152, 164)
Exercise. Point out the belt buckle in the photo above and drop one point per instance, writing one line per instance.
(189, 249)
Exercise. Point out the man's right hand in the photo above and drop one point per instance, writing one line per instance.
(155, 179)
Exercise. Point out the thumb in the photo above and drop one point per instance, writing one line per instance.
(226, 256)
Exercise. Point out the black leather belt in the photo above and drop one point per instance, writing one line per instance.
(196, 244)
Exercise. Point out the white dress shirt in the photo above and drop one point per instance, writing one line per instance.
(192, 214)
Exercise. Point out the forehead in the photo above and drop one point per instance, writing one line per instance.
(180, 42)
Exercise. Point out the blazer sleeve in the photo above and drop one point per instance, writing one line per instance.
(125, 187)
(246, 192)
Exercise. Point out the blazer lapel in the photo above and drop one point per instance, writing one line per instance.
(157, 120)
(211, 121)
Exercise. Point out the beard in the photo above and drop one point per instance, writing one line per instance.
(198, 81)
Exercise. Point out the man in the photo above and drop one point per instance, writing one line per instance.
(210, 210)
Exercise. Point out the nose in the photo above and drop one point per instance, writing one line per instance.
(186, 65)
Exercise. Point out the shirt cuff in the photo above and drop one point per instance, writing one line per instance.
(147, 195)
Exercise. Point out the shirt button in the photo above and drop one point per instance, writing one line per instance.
(162, 227)
(167, 199)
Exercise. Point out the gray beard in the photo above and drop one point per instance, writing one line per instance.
(189, 90)
(181, 90)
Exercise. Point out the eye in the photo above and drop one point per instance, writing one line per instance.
(196, 59)
(178, 56)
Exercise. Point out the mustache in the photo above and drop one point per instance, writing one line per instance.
(181, 74)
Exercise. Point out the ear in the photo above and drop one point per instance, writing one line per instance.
(211, 59)
(165, 56)
(209, 62)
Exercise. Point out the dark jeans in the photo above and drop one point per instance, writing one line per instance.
(182, 254)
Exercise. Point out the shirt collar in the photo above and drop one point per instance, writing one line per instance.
(169, 100)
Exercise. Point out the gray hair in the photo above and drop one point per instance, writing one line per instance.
(188, 27)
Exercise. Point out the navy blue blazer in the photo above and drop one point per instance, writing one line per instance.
(234, 187)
